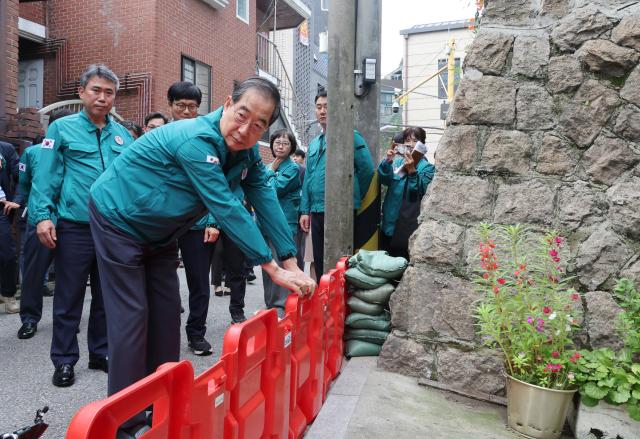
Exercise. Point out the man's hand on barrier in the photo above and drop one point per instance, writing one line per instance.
(291, 265)
(47, 233)
(305, 223)
(295, 281)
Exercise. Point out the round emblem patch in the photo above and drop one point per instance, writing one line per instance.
(118, 140)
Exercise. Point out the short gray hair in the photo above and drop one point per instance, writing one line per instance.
(101, 71)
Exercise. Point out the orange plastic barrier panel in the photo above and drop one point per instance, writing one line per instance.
(209, 403)
(259, 379)
(335, 327)
(168, 389)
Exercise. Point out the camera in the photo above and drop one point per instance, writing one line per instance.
(402, 149)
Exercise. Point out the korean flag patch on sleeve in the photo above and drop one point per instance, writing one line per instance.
(48, 143)
(22, 167)
(213, 159)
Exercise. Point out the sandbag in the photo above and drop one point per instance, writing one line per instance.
(358, 279)
(378, 264)
(358, 320)
(378, 295)
(357, 348)
(368, 335)
(357, 305)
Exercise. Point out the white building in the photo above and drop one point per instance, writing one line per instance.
(425, 52)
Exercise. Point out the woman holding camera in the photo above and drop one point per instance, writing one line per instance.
(406, 173)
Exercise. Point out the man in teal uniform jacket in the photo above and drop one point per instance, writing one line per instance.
(156, 191)
(76, 150)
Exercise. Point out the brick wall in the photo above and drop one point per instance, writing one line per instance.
(11, 60)
(34, 11)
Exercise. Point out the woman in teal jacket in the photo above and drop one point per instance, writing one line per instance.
(407, 183)
(283, 174)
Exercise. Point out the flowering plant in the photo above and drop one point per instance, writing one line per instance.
(527, 309)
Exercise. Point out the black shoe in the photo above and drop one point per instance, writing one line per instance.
(46, 292)
(63, 376)
(251, 277)
(200, 347)
(99, 363)
(27, 330)
(218, 291)
(238, 317)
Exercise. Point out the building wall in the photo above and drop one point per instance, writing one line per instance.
(424, 50)
(9, 87)
(34, 11)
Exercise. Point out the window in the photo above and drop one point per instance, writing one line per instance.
(443, 78)
(242, 10)
(199, 74)
(324, 5)
(398, 76)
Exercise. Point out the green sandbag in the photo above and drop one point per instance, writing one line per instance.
(378, 263)
(358, 320)
(368, 335)
(357, 348)
(360, 280)
(377, 295)
(357, 305)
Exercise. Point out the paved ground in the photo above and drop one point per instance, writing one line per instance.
(367, 403)
(25, 367)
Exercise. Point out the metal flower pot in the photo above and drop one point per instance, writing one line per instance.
(534, 411)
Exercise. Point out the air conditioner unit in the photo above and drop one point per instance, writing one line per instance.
(217, 4)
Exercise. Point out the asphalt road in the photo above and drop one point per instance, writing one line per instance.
(26, 369)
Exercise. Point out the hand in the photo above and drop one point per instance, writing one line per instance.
(47, 233)
(9, 206)
(305, 223)
(211, 234)
(409, 164)
(390, 154)
(295, 280)
(276, 163)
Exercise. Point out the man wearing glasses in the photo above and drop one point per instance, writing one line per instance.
(184, 99)
(169, 179)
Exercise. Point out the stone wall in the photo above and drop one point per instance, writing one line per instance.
(544, 130)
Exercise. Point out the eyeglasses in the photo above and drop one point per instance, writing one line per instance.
(192, 107)
(281, 143)
(242, 119)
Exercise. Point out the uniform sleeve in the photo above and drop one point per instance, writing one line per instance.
(385, 172)
(304, 200)
(47, 181)
(24, 178)
(204, 171)
(270, 216)
(418, 182)
(363, 163)
(285, 181)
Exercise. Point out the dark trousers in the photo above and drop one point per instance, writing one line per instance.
(301, 243)
(142, 302)
(196, 256)
(8, 260)
(386, 244)
(317, 238)
(236, 273)
(75, 261)
(37, 259)
(217, 262)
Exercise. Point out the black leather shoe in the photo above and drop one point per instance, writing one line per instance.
(99, 363)
(46, 292)
(27, 330)
(238, 317)
(63, 376)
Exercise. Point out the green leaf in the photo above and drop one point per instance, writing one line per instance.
(595, 392)
(634, 412)
(609, 382)
(619, 396)
(635, 368)
(635, 393)
(589, 402)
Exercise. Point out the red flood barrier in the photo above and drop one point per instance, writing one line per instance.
(269, 383)
(168, 389)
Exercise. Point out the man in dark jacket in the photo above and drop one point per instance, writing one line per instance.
(8, 262)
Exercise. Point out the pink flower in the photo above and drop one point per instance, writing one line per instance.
(553, 253)
(575, 297)
(555, 354)
(530, 320)
(501, 281)
(496, 290)
(486, 275)
(558, 240)
(546, 310)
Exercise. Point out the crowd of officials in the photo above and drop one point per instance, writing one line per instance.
(120, 206)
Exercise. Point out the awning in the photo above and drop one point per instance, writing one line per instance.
(289, 14)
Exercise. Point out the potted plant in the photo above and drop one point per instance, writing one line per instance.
(614, 377)
(529, 313)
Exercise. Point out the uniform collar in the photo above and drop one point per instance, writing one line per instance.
(90, 126)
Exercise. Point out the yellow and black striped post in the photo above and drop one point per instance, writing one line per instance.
(367, 221)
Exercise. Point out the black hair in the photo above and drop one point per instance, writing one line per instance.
(184, 90)
(398, 137)
(131, 125)
(300, 153)
(155, 116)
(281, 133)
(265, 87)
(58, 114)
(322, 93)
(417, 132)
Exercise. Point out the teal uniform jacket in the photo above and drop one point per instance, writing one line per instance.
(314, 179)
(172, 176)
(26, 168)
(286, 182)
(416, 186)
(72, 156)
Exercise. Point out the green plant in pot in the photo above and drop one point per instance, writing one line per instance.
(614, 377)
(529, 313)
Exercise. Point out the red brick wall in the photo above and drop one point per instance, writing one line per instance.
(11, 54)
(149, 37)
(34, 11)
